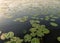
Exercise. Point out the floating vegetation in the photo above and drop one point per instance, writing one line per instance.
(34, 21)
(15, 40)
(58, 38)
(7, 35)
(41, 18)
(51, 16)
(35, 18)
(35, 15)
(47, 18)
(27, 38)
(52, 19)
(54, 24)
(9, 16)
(23, 19)
(55, 17)
(33, 34)
(33, 30)
(38, 29)
(36, 32)
(35, 40)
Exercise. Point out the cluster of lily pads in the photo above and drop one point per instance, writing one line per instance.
(37, 31)
(10, 35)
(23, 19)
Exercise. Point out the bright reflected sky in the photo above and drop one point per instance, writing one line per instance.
(7, 6)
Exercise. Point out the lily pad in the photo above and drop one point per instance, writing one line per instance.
(33, 34)
(58, 38)
(35, 40)
(40, 34)
(22, 19)
(47, 18)
(46, 31)
(54, 24)
(52, 19)
(33, 29)
(27, 38)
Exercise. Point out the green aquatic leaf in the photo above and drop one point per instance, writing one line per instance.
(33, 34)
(51, 15)
(47, 18)
(42, 26)
(46, 31)
(41, 18)
(39, 33)
(55, 17)
(35, 25)
(52, 19)
(9, 35)
(22, 19)
(58, 38)
(8, 42)
(34, 21)
(36, 18)
(35, 15)
(33, 30)
(3, 36)
(15, 40)
(54, 24)
(35, 40)
(27, 38)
